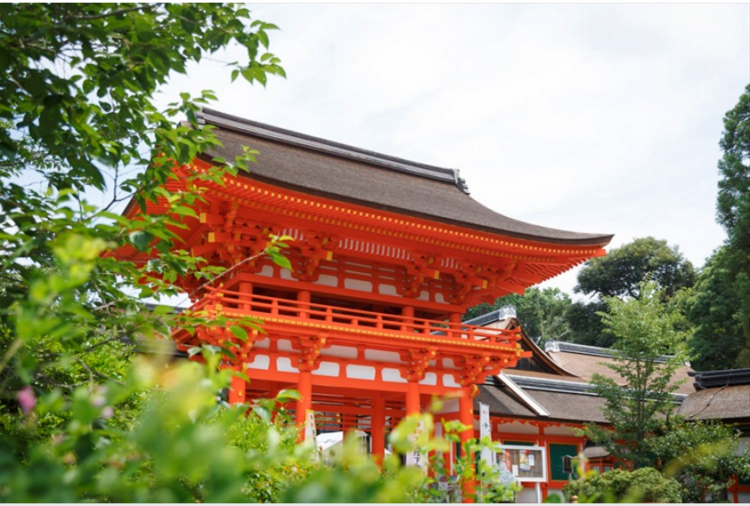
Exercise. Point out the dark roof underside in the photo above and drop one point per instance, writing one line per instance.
(338, 172)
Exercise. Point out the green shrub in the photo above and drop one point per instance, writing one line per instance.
(642, 485)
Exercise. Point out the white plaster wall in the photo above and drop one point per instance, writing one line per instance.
(267, 270)
(383, 356)
(518, 428)
(449, 364)
(340, 351)
(327, 280)
(327, 369)
(358, 284)
(449, 381)
(559, 431)
(392, 375)
(430, 378)
(284, 364)
(286, 274)
(360, 372)
(387, 290)
(261, 362)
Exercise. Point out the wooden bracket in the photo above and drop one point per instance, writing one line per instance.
(309, 347)
(418, 361)
(476, 368)
(418, 271)
(316, 248)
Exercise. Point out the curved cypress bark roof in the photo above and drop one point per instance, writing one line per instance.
(340, 172)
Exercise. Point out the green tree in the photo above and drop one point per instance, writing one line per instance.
(77, 113)
(733, 208)
(621, 272)
(77, 108)
(645, 330)
(703, 457)
(717, 341)
(541, 312)
(642, 485)
(585, 323)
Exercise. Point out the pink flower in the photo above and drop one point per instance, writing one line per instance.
(108, 412)
(26, 399)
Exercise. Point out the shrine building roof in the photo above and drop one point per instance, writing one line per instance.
(348, 174)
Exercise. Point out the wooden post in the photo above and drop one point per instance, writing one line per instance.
(455, 321)
(303, 296)
(408, 313)
(377, 435)
(246, 293)
(412, 398)
(466, 417)
(304, 387)
(237, 390)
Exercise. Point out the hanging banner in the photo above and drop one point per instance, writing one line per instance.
(416, 457)
(310, 429)
(485, 429)
(311, 433)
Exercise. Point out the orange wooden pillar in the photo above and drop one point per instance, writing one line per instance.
(455, 323)
(304, 384)
(246, 291)
(304, 403)
(237, 388)
(377, 436)
(412, 398)
(466, 417)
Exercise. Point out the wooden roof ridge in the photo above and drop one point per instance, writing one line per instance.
(508, 314)
(586, 349)
(336, 171)
(274, 133)
(723, 378)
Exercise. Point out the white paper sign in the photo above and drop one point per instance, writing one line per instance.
(310, 429)
(485, 429)
(416, 457)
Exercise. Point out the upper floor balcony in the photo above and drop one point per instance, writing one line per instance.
(281, 317)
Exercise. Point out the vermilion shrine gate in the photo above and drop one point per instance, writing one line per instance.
(388, 255)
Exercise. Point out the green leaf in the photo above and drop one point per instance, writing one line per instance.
(239, 332)
(280, 260)
(141, 239)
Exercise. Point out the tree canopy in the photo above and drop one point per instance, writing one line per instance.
(541, 312)
(714, 309)
(645, 332)
(733, 208)
(77, 109)
(621, 272)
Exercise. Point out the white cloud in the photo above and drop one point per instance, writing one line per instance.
(601, 118)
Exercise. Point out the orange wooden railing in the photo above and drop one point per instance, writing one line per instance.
(218, 300)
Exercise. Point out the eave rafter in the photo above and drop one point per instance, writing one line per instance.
(233, 229)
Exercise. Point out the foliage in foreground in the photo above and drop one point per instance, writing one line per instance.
(642, 485)
(185, 446)
(176, 450)
(704, 457)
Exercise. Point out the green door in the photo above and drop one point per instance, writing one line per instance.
(556, 454)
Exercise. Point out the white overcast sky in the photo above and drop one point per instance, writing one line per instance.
(593, 118)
